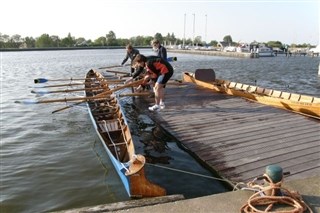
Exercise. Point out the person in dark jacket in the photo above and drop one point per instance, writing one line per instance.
(131, 53)
(159, 49)
(160, 71)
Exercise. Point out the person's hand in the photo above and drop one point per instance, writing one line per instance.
(139, 88)
(128, 81)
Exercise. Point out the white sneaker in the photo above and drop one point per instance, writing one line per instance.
(154, 108)
(162, 106)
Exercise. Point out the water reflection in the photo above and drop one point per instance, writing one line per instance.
(176, 167)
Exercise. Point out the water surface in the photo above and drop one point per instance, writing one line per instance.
(55, 161)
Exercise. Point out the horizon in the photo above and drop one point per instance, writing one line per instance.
(290, 22)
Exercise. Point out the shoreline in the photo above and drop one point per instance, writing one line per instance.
(66, 48)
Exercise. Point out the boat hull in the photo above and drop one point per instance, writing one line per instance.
(117, 165)
(114, 133)
(306, 105)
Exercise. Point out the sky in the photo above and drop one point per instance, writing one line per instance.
(290, 22)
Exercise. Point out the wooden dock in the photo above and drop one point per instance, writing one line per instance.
(236, 137)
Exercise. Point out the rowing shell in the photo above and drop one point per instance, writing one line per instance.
(303, 104)
(113, 130)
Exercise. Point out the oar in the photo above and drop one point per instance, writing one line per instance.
(67, 107)
(171, 59)
(59, 100)
(120, 95)
(99, 96)
(44, 92)
(44, 80)
(122, 87)
(114, 66)
(76, 84)
(117, 72)
(136, 94)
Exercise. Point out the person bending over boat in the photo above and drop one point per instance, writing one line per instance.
(159, 71)
(159, 49)
(131, 53)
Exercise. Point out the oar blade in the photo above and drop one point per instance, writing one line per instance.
(40, 80)
(40, 92)
(170, 59)
(27, 101)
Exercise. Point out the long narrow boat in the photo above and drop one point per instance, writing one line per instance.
(303, 104)
(113, 130)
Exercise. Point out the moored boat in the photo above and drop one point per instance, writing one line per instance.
(303, 104)
(113, 130)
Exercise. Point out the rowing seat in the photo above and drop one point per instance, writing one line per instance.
(113, 130)
(109, 125)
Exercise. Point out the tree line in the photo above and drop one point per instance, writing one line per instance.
(110, 39)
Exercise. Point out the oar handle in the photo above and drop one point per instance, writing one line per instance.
(113, 66)
(136, 94)
(44, 80)
(69, 90)
(117, 72)
(122, 87)
(85, 99)
(77, 84)
(67, 107)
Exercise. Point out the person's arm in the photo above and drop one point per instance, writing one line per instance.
(137, 72)
(125, 59)
(163, 53)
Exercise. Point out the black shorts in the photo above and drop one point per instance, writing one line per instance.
(165, 78)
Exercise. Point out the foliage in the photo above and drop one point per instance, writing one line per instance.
(274, 44)
(101, 41)
(44, 41)
(68, 41)
(80, 42)
(170, 39)
(197, 40)
(159, 37)
(30, 42)
(228, 39)
(213, 43)
(110, 39)
(55, 41)
(123, 41)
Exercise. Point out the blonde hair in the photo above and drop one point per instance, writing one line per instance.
(129, 47)
(155, 41)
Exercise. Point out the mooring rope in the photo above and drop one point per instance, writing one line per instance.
(267, 196)
(190, 173)
(290, 198)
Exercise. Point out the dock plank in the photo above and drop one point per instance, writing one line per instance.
(239, 138)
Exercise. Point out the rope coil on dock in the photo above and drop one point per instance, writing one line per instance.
(268, 196)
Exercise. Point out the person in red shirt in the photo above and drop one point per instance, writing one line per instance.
(160, 71)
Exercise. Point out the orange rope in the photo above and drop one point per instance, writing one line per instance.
(271, 198)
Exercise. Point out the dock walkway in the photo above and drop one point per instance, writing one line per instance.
(236, 137)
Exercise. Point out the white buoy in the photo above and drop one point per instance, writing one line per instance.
(319, 70)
